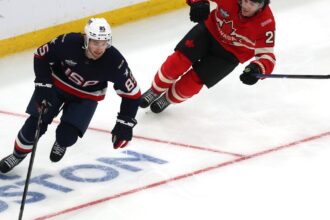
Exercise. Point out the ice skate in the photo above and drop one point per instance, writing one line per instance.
(57, 152)
(9, 162)
(160, 104)
(147, 98)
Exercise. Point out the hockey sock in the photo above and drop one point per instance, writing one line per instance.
(187, 86)
(174, 66)
(25, 138)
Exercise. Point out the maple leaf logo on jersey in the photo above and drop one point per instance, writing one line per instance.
(228, 33)
(228, 29)
(189, 43)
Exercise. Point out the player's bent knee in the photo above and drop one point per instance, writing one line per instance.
(30, 126)
(66, 134)
(177, 63)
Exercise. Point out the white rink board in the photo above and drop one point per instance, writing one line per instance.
(19, 17)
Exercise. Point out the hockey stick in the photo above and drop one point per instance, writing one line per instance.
(259, 75)
(36, 139)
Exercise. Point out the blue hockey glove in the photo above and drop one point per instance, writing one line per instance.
(199, 10)
(247, 76)
(44, 93)
(123, 131)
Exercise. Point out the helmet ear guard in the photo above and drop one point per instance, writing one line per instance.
(98, 29)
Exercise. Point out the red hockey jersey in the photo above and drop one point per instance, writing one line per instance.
(244, 37)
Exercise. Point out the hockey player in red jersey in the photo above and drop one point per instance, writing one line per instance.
(72, 73)
(233, 33)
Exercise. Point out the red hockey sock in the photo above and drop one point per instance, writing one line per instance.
(189, 85)
(174, 66)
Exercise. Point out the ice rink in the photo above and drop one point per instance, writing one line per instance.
(233, 152)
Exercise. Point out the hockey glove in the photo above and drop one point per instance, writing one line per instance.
(199, 10)
(44, 93)
(247, 76)
(123, 131)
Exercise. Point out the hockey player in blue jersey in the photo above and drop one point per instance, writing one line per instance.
(72, 73)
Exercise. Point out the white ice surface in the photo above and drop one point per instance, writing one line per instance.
(287, 183)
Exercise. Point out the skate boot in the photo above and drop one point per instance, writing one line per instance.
(160, 104)
(9, 162)
(147, 98)
(57, 152)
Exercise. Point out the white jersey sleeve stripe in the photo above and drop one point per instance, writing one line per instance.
(135, 91)
(267, 57)
(264, 50)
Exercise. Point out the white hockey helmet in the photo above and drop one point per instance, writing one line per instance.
(98, 29)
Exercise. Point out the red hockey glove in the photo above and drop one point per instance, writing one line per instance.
(247, 76)
(123, 131)
(199, 10)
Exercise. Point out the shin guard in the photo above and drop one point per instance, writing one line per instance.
(174, 66)
(187, 86)
(25, 138)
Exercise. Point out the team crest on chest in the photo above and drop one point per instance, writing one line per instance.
(228, 33)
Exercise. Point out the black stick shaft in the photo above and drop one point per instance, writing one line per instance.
(27, 180)
(258, 75)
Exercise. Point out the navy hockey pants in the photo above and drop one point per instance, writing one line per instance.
(75, 112)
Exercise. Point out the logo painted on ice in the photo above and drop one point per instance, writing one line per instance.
(109, 168)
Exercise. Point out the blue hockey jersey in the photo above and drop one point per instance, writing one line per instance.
(63, 63)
